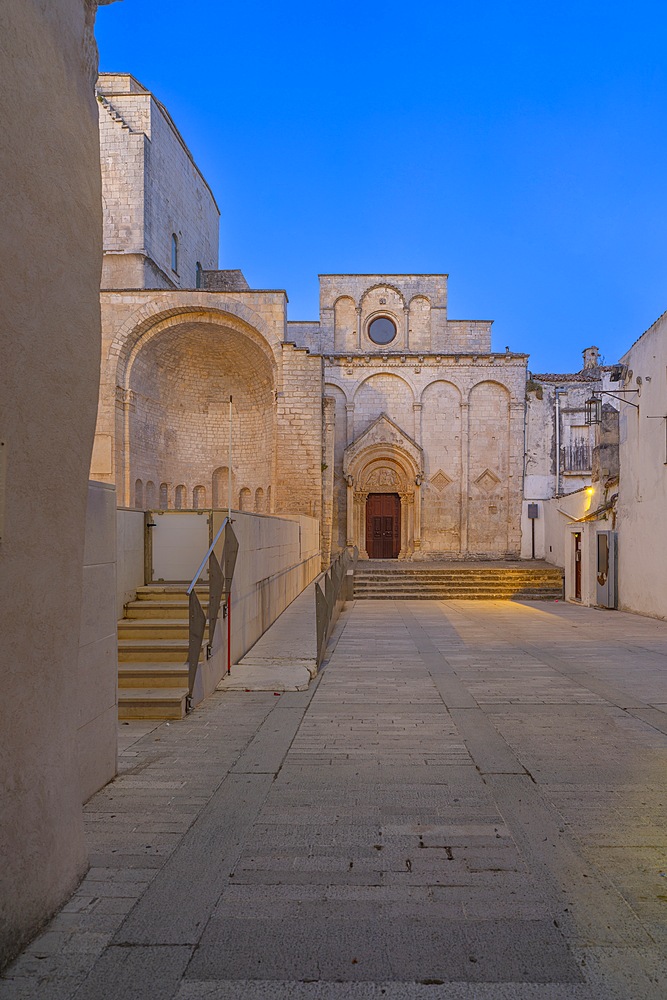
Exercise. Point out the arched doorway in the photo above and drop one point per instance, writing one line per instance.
(383, 525)
(383, 471)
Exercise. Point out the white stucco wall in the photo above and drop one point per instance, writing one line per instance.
(557, 514)
(642, 502)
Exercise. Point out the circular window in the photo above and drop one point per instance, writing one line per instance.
(382, 330)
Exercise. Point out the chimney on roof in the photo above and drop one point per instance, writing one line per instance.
(591, 357)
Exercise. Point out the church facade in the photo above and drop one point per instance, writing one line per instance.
(395, 425)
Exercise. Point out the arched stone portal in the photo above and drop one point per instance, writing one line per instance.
(384, 460)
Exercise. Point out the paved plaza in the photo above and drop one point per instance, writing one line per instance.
(467, 803)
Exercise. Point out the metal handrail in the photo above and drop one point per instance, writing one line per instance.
(206, 557)
(220, 582)
(330, 599)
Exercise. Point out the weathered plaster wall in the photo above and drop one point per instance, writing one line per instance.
(642, 500)
(50, 257)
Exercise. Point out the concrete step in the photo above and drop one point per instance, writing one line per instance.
(152, 675)
(153, 650)
(154, 628)
(152, 703)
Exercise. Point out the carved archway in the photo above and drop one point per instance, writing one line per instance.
(384, 460)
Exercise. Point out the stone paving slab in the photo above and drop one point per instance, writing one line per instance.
(270, 990)
(464, 780)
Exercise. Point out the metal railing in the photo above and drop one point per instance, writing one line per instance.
(577, 457)
(220, 574)
(329, 601)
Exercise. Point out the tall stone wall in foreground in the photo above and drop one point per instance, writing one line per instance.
(50, 257)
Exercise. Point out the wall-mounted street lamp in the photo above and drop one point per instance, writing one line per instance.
(593, 405)
(593, 410)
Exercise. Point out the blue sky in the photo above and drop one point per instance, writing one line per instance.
(519, 147)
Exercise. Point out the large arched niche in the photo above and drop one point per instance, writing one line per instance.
(488, 468)
(442, 439)
(345, 324)
(177, 379)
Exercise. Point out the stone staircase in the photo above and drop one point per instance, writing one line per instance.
(111, 111)
(153, 652)
(381, 580)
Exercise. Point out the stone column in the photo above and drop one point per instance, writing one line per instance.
(128, 397)
(407, 524)
(329, 417)
(349, 429)
(360, 533)
(465, 474)
(417, 408)
(516, 471)
(418, 517)
(350, 527)
(406, 314)
(358, 312)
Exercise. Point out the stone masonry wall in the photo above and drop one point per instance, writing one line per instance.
(299, 434)
(170, 362)
(467, 415)
(416, 303)
(152, 189)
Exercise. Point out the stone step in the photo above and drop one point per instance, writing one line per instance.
(410, 584)
(465, 580)
(452, 596)
(153, 650)
(454, 582)
(160, 609)
(158, 628)
(152, 675)
(482, 595)
(152, 703)
(447, 574)
(169, 591)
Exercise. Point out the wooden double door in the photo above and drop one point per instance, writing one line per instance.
(383, 525)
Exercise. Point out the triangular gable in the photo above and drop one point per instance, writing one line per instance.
(383, 430)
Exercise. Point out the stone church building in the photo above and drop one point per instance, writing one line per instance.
(395, 425)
